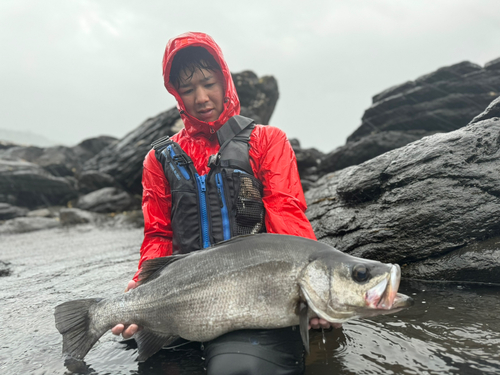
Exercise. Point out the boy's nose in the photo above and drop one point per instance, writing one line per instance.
(201, 96)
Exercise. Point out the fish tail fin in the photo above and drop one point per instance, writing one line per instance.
(74, 322)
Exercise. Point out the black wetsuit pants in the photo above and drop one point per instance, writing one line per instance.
(262, 352)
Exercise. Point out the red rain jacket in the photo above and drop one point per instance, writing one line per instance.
(271, 157)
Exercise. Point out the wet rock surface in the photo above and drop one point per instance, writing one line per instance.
(419, 203)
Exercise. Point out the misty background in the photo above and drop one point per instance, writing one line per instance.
(74, 69)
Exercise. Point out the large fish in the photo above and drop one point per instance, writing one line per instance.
(257, 281)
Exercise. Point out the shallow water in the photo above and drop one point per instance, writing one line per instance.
(451, 329)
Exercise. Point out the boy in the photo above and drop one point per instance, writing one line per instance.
(196, 74)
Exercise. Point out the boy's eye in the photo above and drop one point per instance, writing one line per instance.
(186, 92)
(209, 84)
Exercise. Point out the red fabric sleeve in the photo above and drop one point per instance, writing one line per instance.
(156, 206)
(274, 164)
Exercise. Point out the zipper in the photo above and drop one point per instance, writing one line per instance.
(225, 216)
(200, 180)
(181, 168)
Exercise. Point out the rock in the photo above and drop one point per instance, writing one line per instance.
(28, 224)
(441, 101)
(90, 147)
(493, 65)
(89, 181)
(133, 219)
(28, 185)
(493, 110)
(8, 211)
(123, 159)
(52, 211)
(366, 148)
(5, 145)
(106, 200)
(4, 268)
(308, 161)
(258, 96)
(58, 160)
(427, 200)
(74, 216)
(479, 262)
(306, 158)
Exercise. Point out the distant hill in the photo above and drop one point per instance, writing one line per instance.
(25, 138)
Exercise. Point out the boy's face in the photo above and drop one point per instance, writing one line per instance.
(202, 93)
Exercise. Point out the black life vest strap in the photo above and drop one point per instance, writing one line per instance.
(235, 132)
(233, 127)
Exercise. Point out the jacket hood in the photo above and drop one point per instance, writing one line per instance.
(231, 101)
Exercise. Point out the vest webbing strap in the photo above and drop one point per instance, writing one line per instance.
(232, 128)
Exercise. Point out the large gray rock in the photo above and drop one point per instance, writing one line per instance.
(434, 200)
(442, 101)
(258, 96)
(123, 159)
(107, 200)
(28, 185)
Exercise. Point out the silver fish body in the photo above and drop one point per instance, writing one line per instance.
(258, 281)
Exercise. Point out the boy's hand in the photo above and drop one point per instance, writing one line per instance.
(317, 323)
(126, 331)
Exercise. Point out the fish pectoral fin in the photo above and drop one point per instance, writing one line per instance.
(304, 324)
(148, 343)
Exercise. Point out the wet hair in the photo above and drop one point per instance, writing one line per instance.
(188, 60)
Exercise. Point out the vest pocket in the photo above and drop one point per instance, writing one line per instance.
(248, 205)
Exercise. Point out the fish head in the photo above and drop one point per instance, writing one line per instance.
(339, 287)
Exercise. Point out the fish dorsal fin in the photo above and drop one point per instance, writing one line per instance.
(152, 268)
(235, 239)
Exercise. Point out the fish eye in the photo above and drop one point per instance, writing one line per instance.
(360, 273)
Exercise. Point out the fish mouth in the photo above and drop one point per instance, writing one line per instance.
(385, 296)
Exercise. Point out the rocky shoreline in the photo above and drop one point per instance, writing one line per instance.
(417, 183)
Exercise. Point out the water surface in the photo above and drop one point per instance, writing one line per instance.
(451, 329)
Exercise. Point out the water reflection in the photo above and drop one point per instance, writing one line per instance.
(452, 329)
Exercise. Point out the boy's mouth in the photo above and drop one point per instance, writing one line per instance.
(206, 113)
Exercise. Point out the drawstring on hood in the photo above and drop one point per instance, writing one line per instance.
(231, 101)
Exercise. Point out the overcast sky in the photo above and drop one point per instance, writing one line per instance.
(74, 69)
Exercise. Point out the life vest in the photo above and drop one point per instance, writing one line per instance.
(226, 202)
